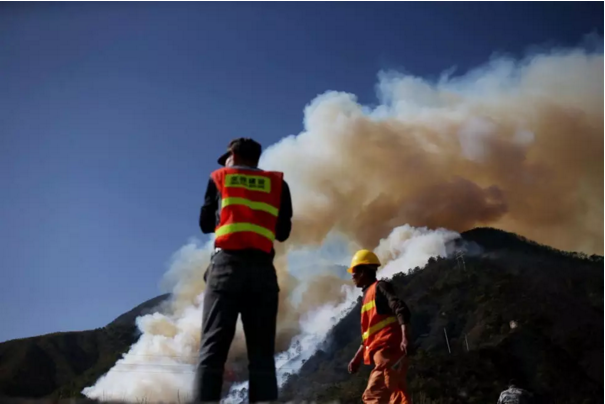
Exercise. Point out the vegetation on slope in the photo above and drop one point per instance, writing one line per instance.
(555, 298)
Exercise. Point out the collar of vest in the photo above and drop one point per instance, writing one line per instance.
(367, 287)
(246, 168)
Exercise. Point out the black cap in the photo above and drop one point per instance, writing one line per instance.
(245, 147)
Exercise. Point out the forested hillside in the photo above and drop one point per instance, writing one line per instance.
(554, 347)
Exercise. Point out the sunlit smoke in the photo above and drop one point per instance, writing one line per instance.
(514, 145)
(407, 248)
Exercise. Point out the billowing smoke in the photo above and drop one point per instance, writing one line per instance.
(159, 367)
(407, 248)
(517, 145)
(513, 144)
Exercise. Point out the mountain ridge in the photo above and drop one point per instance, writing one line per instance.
(61, 364)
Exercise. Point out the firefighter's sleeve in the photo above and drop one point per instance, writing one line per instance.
(397, 305)
(284, 219)
(208, 213)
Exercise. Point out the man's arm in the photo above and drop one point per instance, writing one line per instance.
(397, 305)
(209, 209)
(356, 361)
(284, 218)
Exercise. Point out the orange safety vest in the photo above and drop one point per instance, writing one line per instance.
(250, 202)
(377, 330)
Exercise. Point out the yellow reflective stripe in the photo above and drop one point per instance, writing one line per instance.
(237, 227)
(265, 207)
(379, 326)
(251, 182)
(368, 306)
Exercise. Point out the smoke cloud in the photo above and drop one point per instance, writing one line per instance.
(513, 144)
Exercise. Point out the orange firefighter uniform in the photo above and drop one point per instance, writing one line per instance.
(382, 315)
(382, 337)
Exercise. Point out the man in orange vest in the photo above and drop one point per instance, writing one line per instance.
(247, 209)
(384, 329)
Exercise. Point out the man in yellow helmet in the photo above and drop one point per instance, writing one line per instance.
(384, 328)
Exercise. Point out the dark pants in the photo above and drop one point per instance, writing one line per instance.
(236, 285)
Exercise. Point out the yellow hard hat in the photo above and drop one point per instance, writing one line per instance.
(363, 257)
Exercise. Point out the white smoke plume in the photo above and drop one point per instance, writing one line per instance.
(407, 248)
(513, 144)
(160, 366)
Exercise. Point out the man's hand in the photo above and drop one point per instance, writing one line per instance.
(404, 345)
(354, 364)
(404, 339)
(356, 361)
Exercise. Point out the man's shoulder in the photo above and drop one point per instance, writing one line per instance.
(275, 173)
(385, 284)
(218, 171)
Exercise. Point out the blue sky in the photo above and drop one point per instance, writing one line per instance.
(112, 116)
